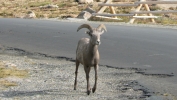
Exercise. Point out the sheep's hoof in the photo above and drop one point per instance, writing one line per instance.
(93, 90)
(88, 92)
(74, 88)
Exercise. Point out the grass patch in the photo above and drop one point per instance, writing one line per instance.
(7, 84)
(5, 72)
(62, 4)
(167, 21)
(37, 4)
(6, 13)
(8, 72)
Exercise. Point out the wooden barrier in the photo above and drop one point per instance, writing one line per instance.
(154, 12)
(102, 8)
(111, 15)
(156, 2)
(139, 4)
(122, 5)
(145, 17)
(139, 8)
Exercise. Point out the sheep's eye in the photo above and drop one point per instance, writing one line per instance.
(90, 34)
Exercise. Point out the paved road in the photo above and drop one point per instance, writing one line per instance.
(154, 49)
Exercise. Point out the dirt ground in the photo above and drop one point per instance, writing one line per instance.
(52, 78)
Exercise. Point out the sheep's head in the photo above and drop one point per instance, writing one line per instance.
(94, 33)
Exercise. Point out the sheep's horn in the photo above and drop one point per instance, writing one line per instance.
(85, 26)
(101, 26)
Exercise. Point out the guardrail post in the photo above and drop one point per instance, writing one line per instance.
(138, 9)
(149, 14)
(102, 8)
(112, 10)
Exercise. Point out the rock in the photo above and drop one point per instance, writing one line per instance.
(86, 13)
(171, 16)
(49, 6)
(30, 15)
(90, 10)
(100, 0)
(85, 1)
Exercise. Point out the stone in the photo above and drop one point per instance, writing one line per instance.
(49, 6)
(30, 15)
(84, 1)
(86, 13)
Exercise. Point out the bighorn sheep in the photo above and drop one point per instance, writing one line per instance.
(87, 53)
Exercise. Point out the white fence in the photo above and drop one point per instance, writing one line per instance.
(134, 14)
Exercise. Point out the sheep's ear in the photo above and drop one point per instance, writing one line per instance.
(102, 32)
(89, 33)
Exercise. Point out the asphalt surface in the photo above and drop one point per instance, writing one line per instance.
(123, 46)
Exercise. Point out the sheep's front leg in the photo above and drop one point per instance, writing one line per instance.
(96, 77)
(87, 71)
(76, 72)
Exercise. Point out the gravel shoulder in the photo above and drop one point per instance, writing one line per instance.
(52, 78)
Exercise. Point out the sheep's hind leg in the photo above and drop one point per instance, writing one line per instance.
(96, 77)
(87, 71)
(76, 72)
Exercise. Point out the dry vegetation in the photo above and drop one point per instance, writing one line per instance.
(18, 8)
(10, 71)
(69, 8)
